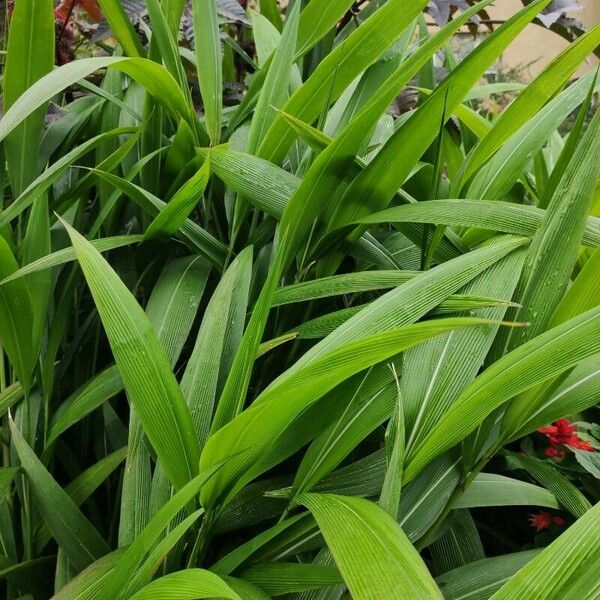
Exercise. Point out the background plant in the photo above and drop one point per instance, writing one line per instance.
(270, 340)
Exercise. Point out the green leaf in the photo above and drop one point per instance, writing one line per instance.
(496, 178)
(389, 169)
(117, 584)
(66, 255)
(372, 398)
(198, 239)
(7, 474)
(255, 429)
(270, 10)
(30, 56)
(583, 294)
(155, 78)
(535, 95)
(16, 317)
(85, 586)
(208, 62)
(149, 381)
(476, 581)
(564, 491)
(279, 578)
(189, 584)
(545, 356)
(9, 396)
(170, 219)
(122, 29)
(566, 567)
(336, 71)
(490, 489)
(372, 553)
(217, 341)
(434, 374)
(503, 217)
(72, 531)
(275, 88)
(554, 248)
(54, 172)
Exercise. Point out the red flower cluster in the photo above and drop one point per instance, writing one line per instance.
(560, 434)
(543, 520)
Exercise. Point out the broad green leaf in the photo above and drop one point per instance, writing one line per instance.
(217, 341)
(476, 581)
(372, 553)
(189, 584)
(566, 567)
(564, 491)
(147, 376)
(250, 435)
(155, 78)
(412, 300)
(547, 355)
(489, 489)
(30, 56)
(208, 62)
(279, 578)
(553, 251)
(72, 531)
(434, 374)
(503, 217)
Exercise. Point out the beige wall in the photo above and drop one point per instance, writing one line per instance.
(537, 45)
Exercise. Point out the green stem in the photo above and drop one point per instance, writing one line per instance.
(202, 541)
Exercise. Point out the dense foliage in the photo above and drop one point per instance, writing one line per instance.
(282, 313)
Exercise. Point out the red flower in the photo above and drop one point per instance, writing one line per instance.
(544, 520)
(541, 520)
(562, 434)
